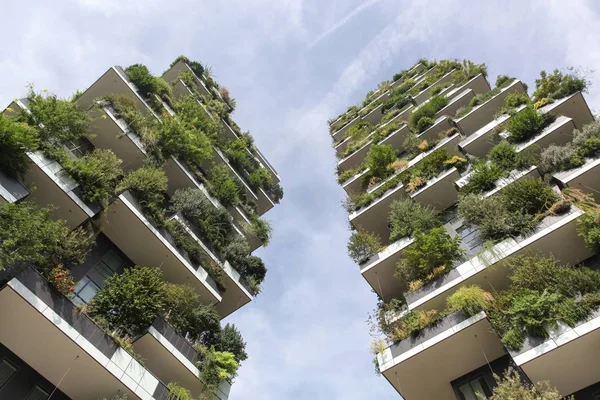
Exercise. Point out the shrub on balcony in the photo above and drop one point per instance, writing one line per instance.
(527, 124)
(469, 300)
(230, 340)
(407, 216)
(57, 120)
(468, 70)
(259, 178)
(261, 229)
(588, 227)
(431, 255)
(359, 130)
(212, 223)
(251, 267)
(427, 110)
(149, 84)
(195, 116)
(177, 392)
(413, 323)
(223, 186)
(511, 387)
(585, 143)
(557, 84)
(16, 139)
(483, 178)
(215, 367)
(529, 195)
(97, 174)
(130, 301)
(148, 185)
(434, 164)
(379, 158)
(363, 245)
(178, 139)
(29, 235)
(186, 313)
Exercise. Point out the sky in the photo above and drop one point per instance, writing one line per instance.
(291, 65)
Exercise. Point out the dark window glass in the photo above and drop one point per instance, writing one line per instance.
(7, 371)
(37, 393)
(474, 389)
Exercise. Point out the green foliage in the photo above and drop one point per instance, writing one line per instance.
(259, 178)
(585, 143)
(148, 185)
(129, 302)
(503, 81)
(195, 66)
(379, 158)
(178, 139)
(424, 123)
(363, 245)
(194, 116)
(588, 227)
(56, 120)
(28, 235)
(407, 216)
(430, 167)
(217, 366)
(223, 186)
(469, 300)
(213, 224)
(97, 173)
(529, 195)
(16, 139)
(177, 392)
(359, 130)
(527, 124)
(505, 157)
(184, 310)
(557, 84)
(252, 267)
(511, 387)
(512, 101)
(467, 71)
(413, 323)
(230, 340)
(483, 178)
(427, 110)
(147, 83)
(261, 229)
(429, 251)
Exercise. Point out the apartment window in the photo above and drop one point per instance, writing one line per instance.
(90, 284)
(7, 371)
(37, 393)
(474, 389)
(596, 395)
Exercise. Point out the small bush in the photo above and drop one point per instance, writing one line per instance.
(503, 81)
(424, 123)
(428, 252)
(359, 130)
(129, 302)
(413, 323)
(215, 367)
(483, 178)
(557, 158)
(379, 158)
(363, 245)
(407, 216)
(527, 124)
(97, 174)
(142, 79)
(259, 178)
(427, 110)
(529, 195)
(511, 387)
(147, 184)
(504, 156)
(16, 139)
(224, 187)
(177, 139)
(588, 227)
(469, 300)
(557, 84)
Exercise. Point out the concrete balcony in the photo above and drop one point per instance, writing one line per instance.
(555, 235)
(482, 141)
(55, 188)
(11, 190)
(442, 124)
(425, 94)
(340, 133)
(127, 227)
(415, 69)
(513, 176)
(568, 358)
(172, 74)
(47, 331)
(478, 84)
(423, 367)
(438, 192)
(395, 139)
(573, 106)
(237, 293)
(585, 178)
(169, 355)
(379, 270)
(482, 114)
(114, 82)
(461, 99)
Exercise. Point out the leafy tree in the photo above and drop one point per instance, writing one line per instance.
(194, 116)
(177, 139)
(142, 78)
(28, 235)
(526, 124)
(379, 158)
(511, 387)
(557, 84)
(230, 340)
(147, 184)
(224, 187)
(56, 120)
(217, 366)
(16, 139)
(97, 174)
(407, 216)
(362, 246)
(129, 302)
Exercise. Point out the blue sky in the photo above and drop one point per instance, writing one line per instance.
(292, 64)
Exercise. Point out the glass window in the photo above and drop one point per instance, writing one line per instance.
(474, 389)
(85, 290)
(37, 394)
(7, 370)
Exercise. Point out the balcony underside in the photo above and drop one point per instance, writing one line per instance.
(425, 372)
(585, 178)
(574, 107)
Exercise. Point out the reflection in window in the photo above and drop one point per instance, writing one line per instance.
(37, 394)
(474, 389)
(7, 370)
(90, 284)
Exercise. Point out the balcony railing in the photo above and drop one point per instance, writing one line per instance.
(86, 362)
